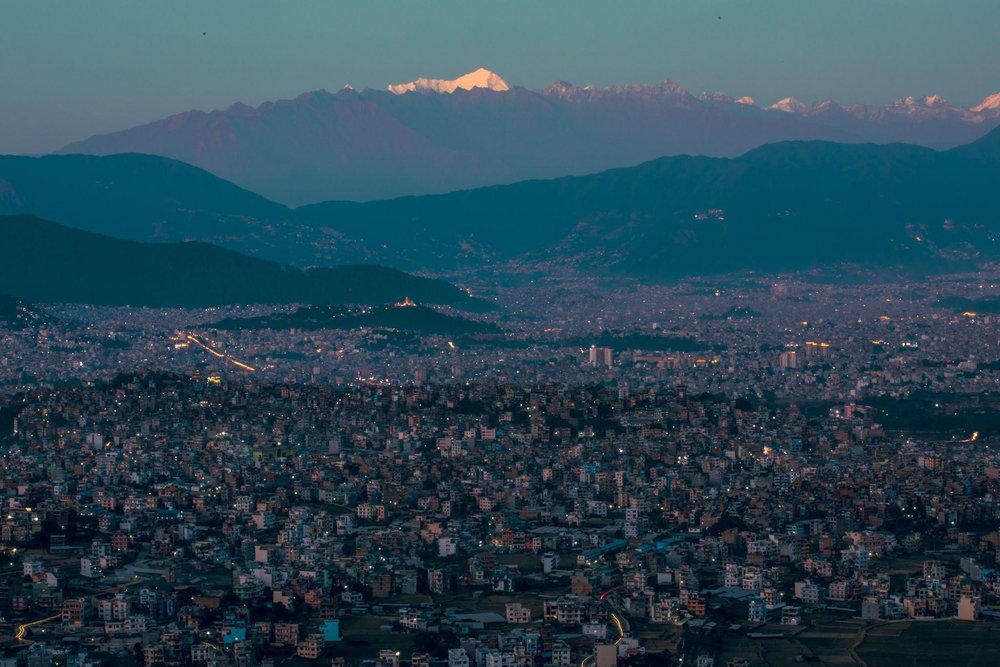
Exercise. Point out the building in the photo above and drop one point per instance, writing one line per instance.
(438, 582)
(870, 608)
(447, 546)
(549, 562)
(560, 654)
(791, 615)
(788, 360)
(388, 658)
(458, 657)
(968, 608)
(516, 612)
(310, 647)
(565, 610)
(607, 655)
(495, 658)
(756, 610)
(600, 356)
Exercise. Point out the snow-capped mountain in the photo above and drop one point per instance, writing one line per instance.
(377, 144)
(789, 105)
(481, 78)
(991, 103)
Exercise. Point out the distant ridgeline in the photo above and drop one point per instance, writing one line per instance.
(434, 136)
(47, 262)
(783, 207)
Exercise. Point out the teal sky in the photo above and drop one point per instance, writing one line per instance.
(72, 68)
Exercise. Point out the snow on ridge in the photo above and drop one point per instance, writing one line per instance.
(789, 105)
(481, 78)
(991, 103)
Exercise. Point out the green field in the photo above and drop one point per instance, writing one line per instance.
(363, 639)
(834, 641)
(932, 644)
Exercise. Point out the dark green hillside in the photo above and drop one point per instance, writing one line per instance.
(781, 207)
(132, 196)
(47, 262)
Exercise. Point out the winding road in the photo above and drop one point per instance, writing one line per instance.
(618, 623)
(23, 628)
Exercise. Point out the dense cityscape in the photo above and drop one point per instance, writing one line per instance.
(714, 473)
(499, 334)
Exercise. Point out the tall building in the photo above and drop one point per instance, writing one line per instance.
(870, 608)
(757, 610)
(601, 356)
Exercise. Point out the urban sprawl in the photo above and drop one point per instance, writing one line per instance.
(717, 473)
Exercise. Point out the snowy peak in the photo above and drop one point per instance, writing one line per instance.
(927, 102)
(481, 78)
(991, 103)
(789, 105)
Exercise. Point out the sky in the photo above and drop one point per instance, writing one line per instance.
(70, 69)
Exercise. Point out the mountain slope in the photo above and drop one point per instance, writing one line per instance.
(439, 136)
(481, 78)
(47, 262)
(151, 198)
(130, 195)
(783, 206)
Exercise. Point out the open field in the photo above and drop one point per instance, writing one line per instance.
(363, 638)
(849, 641)
(934, 643)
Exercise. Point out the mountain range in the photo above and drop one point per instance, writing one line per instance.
(780, 207)
(47, 262)
(435, 135)
(142, 198)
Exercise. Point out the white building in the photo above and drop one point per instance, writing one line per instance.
(446, 546)
(457, 657)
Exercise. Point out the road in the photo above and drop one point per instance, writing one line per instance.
(618, 622)
(23, 628)
(221, 355)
